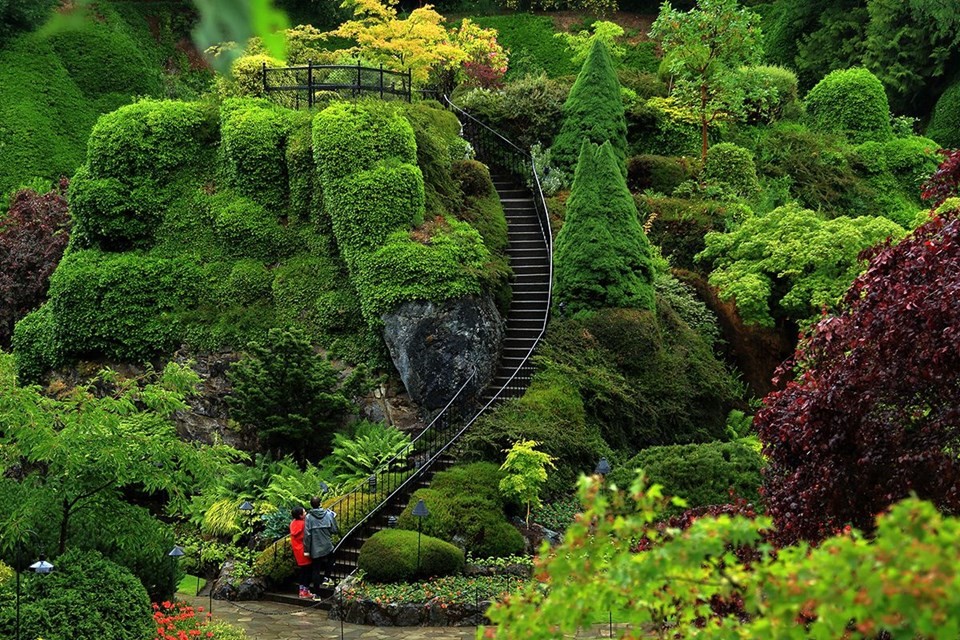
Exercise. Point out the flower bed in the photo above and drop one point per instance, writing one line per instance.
(453, 601)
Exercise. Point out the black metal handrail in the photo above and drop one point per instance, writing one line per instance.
(394, 477)
(358, 80)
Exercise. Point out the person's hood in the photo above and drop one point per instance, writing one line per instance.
(319, 512)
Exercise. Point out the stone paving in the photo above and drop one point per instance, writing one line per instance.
(275, 621)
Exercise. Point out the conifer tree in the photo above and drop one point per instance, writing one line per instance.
(593, 111)
(602, 257)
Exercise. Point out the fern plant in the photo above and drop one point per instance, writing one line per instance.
(373, 444)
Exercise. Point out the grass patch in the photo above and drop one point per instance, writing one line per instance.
(191, 585)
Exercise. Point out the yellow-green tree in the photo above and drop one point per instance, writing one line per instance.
(419, 42)
(526, 473)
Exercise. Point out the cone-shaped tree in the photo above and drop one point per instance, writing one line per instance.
(602, 257)
(593, 111)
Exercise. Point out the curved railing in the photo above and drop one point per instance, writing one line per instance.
(393, 478)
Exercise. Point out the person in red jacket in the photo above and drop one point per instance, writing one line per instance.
(303, 559)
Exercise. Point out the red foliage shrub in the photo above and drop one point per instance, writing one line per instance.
(945, 181)
(874, 412)
(33, 237)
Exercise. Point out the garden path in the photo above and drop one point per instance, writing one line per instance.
(275, 621)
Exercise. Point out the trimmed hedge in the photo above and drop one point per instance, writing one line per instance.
(436, 131)
(149, 139)
(349, 137)
(253, 145)
(122, 306)
(466, 507)
(945, 122)
(701, 474)
(391, 556)
(276, 563)
(851, 102)
(245, 229)
(593, 112)
(109, 214)
(602, 257)
(35, 345)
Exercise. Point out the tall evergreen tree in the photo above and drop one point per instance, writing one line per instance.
(593, 111)
(602, 257)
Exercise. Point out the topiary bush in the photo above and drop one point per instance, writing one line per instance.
(851, 102)
(243, 228)
(122, 306)
(466, 508)
(944, 124)
(602, 257)
(593, 112)
(111, 215)
(391, 556)
(149, 139)
(702, 474)
(436, 131)
(732, 166)
(253, 146)
(86, 596)
(35, 345)
(349, 137)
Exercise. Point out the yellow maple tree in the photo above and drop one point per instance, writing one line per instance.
(420, 42)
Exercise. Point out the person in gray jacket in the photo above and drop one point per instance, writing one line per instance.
(319, 525)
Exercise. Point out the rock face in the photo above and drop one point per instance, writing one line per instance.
(229, 588)
(436, 346)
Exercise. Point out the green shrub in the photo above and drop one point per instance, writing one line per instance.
(88, 53)
(656, 128)
(593, 111)
(817, 166)
(350, 137)
(87, 596)
(309, 292)
(527, 110)
(851, 102)
(473, 178)
(659, 173)
(551, 411)
(149, 139)
(275, 563)
(701, 474)
(110, 215)
(253, 140)
(369, 205)
(249, 281)
(435, 130)
(602, 257)
(450, 264)
(732, 166)
(131, 537)
(944, 124)
(35, 345)
(306, 200)
(246, 80)
(771, 92)
(466, 508)
(122, 306)
(245, 229)
(23, 15)
(391, 556)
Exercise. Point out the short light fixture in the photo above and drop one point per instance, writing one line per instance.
(246, 506)
(372, 483)
(420, 512)
(603, 467)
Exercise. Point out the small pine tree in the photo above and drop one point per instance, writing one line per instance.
(602, 257)
(593, 111)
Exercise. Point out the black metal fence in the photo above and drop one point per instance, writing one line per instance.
(302, 83)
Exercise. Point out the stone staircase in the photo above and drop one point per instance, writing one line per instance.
(530, 250)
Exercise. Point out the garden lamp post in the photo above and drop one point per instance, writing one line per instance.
(603, 467)
(420, 512)
(176, 553)
(41, 566)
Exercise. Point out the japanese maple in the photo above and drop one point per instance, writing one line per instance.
(873, 413)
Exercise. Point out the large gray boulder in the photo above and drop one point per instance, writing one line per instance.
(437, 346)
